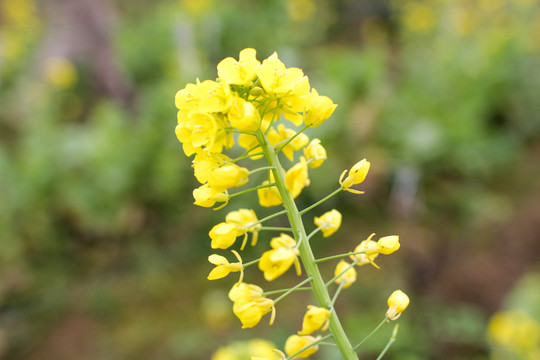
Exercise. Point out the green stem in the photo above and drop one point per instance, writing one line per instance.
(306, 254)
(336, 294)
(275, 228)
(316, 342)
(315, 231)
(273, 292)
(339, 256)
(245, 155)
(282, 212)
(390, 342)
(261, 169)
(251, 263)
(371, 333)
(252, 189)
(302, 212)
(292, 289)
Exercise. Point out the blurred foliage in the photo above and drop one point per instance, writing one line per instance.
(98, 234)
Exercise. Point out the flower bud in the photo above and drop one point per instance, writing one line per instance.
(223, 235)
(388, 244)
(205, 196)
(295, 343)
(357, 174)
(315, 153)
(331, 221)
(397, 303)
(315, 318)
(346, 278)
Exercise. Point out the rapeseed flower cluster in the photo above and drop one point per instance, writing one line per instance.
(264, 108)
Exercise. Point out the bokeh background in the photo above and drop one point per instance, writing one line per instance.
(103, 254)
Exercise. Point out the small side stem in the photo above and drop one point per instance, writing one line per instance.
(292, 289)
(302, 212)
(390, 342)
(339, 256)
(371, 333)
(316, 342)
(252, 189)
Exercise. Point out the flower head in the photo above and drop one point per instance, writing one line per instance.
(318, 109)
(370, 251)
(297, 177)
(315, 153)
(244, 219)
(357, 175)
(329, 221)
(241, 72)
(249, 304)
(277, 261)
(295, 343)
(228, 176)
(348, 274)
(223, 267)
(223, 235)
(205, 196)
(315, 318)
(388, 244)
(397, 303)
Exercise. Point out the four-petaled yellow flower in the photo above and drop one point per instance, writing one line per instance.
(315, 153)
(244, 220)
(241, 72)
(250, 305)
(397, 303)
(315, 318)
(205, 196)
(295, 343)
(228, 176)
(297, 177)
(388, 244)
(318, 109)
(223, 267)
(357, 175)
(223, 235)
(283, 134)
(329, 222)
(348, 274)
(283, 255)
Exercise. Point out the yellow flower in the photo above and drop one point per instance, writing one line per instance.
(357, 175)
(269, 196)
(250, 313)
(242, 350)
(228, 176)
(223, 235)
(204, 163)
(388, 244)
(243, 219)
(331, 221)
(249, 142)
(397, 303)
(371, 251)
(315, 153)
(245, 292)
(318, 109)
(201, 130)
(206, 97)
(240, 72)
(296, 343)
(281, 81)
(283, 240)
(276, 262)
(348, 277)
(243, 115)
(315, 318)
(282, 135)
(516, 331)
(283, 255)
(297, 178)
(249, 304)
(205, 196)
(223, 267)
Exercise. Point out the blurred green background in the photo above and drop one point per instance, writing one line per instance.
(103, 254)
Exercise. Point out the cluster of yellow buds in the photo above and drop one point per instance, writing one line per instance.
(245, 106)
